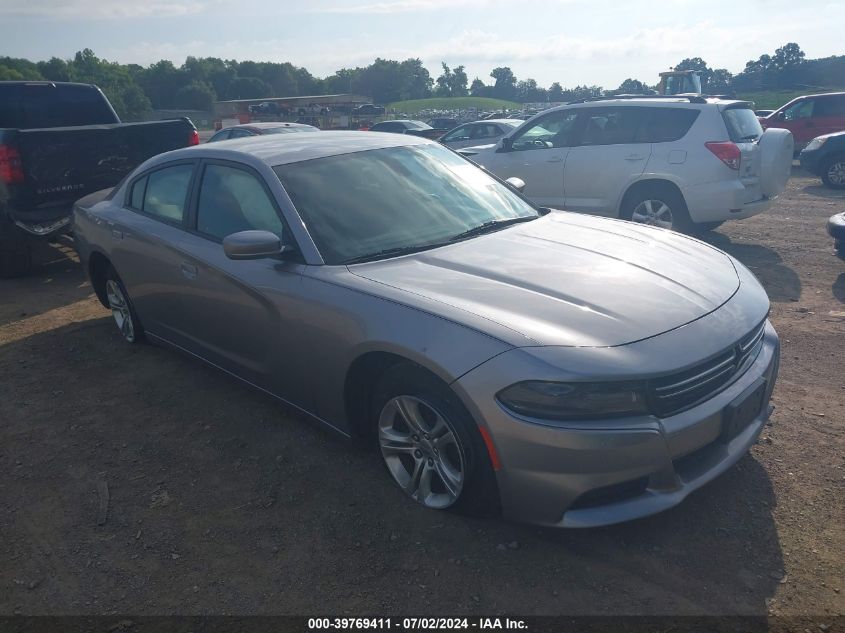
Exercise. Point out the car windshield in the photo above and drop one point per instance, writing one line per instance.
(417, 125)
(386, 200)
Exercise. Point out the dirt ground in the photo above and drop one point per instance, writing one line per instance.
(221, 502)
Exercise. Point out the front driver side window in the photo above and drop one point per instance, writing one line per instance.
(460, 134)
(554, 130)
(233, 200)
(801, 110)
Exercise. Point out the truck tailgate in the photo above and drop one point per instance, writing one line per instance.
(64, 164)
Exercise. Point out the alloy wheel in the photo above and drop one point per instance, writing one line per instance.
(653, 213)
(422, 451)
(120, 310)
(836, 173)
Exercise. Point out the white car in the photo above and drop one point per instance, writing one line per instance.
(684, 163)
(488, 131)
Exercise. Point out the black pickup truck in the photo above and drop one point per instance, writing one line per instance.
(58, 143)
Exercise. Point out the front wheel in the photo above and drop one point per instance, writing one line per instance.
(122, 310)
(658, 206)
(431, 447)
(833, 172)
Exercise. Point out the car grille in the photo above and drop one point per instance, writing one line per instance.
(672, 394)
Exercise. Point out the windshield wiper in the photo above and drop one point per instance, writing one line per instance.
(392, 252)
(490, 226)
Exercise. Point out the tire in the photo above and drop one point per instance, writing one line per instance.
(703, 227)
(430, 445)
(123, 311)
(15, 252)
(833, 172)
(658, 205)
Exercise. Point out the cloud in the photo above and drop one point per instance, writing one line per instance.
(399, 6)
(101, 9)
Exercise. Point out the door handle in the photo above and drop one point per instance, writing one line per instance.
(189, 270)
(556, 159)
(635, 157)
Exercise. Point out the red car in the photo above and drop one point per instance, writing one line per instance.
(809, 117)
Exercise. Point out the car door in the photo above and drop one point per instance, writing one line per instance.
(536, 153)
(828, 115)
(606, 158)
(798, 118)
(241, 315)
(146, 236)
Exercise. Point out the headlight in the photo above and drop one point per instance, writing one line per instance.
(574, 400)
(816, 143)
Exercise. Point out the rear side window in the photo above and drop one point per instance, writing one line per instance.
(742, 124)
(664, 125)
(167, 192)
(611, 126)
(28, 106)
(830, 106)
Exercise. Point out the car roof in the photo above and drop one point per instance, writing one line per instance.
(514, 122)
(276, 149)
(269, 125)
(657, 100)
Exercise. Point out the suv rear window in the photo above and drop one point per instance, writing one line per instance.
(742, 124)
(664, 125)
(27, 106)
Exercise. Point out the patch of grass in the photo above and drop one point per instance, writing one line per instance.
(452, 103)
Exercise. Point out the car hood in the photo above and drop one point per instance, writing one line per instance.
(567, 279)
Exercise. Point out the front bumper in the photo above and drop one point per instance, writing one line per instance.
(810, 161)
(583, 476)
(723, 200)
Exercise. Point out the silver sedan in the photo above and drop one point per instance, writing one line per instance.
(562, 369)
(479, 132)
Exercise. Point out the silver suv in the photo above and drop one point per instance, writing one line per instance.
(683, 163)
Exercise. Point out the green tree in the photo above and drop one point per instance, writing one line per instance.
(555, 92)
(478, 88)
(249, 88)
(54, 69)
(416, 80)
(505, 86)
(197, 95)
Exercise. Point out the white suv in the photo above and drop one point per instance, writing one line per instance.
(684, 163)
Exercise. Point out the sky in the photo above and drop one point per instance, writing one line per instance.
(573, 42)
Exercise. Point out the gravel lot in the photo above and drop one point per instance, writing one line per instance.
(220, 501)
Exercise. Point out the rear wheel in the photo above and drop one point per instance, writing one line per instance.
(703, 227)
(431, 447)
(658, 205)
(833, 172)
(122, 310)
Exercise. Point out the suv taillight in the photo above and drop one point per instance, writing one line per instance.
(11, 169)
(727, 152)
(194, 138)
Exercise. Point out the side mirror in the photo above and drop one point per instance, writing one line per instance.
(253, 245)
(780, 116)
(516, 183)
(506, 144)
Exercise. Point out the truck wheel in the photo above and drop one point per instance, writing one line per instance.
(833, 172)
(15, 252)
